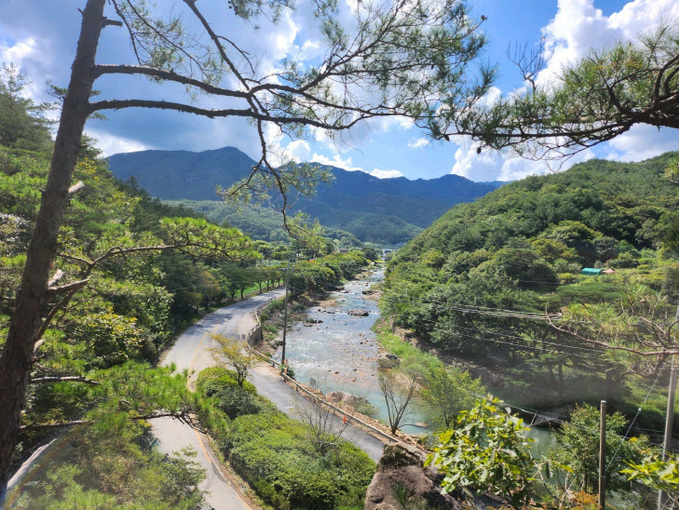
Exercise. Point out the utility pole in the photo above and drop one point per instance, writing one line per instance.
(669, 419)
(285, 313)
(602, 457)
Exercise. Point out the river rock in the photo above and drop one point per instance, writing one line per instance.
(368, 292)
(310, 320)
(336, 396)
(388, 360)
(359, 312)
(402, 466)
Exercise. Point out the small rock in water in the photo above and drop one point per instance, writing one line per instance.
(359, 312)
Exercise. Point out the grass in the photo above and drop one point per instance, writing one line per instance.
(412, 358)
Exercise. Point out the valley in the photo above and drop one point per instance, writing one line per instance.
(382, 211)
(339, 255)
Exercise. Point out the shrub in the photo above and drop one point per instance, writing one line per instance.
(235, 402)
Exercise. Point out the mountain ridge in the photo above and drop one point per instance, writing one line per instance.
(353, 201)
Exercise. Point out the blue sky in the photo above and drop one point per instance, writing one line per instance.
(40, 37)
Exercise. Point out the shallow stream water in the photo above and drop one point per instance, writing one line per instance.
(340, 353)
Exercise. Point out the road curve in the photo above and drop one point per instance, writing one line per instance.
(191, 352)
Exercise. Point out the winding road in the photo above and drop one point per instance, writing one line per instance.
(191, 352)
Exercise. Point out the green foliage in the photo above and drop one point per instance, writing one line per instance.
(107, 467)
(325, 273)
(657, 473)
(235, 402)
(579, 441)
(110, 464)
(235, 354)
(113, 339)
(22, 125)
(270, 450)
(486, 451)
(129, 310)
(517, 253)
(273, 453)
(447, 393)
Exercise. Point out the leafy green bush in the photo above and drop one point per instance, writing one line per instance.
(273, 453)
(214, 380)
(236, 401)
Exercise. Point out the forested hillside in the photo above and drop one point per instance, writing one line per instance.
(479, 281)
(131, 272)
(386, 211)
(264, 223)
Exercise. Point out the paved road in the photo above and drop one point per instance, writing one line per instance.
(268, 383)
(190, 352)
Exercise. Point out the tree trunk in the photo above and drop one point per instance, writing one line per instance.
(17, 354)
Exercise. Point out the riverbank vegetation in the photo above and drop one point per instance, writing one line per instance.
(497, 287)
(484, 282)
(275, 454)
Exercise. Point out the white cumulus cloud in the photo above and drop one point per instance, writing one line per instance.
(110, 144)
(386, 174)
(17, 52)
(643, 142)
(418, 143)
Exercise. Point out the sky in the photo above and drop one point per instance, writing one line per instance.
(40, 37)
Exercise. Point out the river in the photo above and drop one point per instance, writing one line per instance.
(341, 352)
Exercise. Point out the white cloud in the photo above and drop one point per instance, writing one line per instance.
(17, 52)
(110, 144)
(310, 49)
(493, 166)
(336, 161)
(386, 174)
(346, 164)
(417, 143)
(579, 27)
(298, 151)
(643, 142)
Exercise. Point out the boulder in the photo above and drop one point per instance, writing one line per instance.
(359, 312)
(388, 360)
(402, 481)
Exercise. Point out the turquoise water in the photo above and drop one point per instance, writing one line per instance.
(341, 352)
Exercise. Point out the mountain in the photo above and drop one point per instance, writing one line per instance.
(177, 175)
(375, 210)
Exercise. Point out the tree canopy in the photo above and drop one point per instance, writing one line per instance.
(591, 101)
